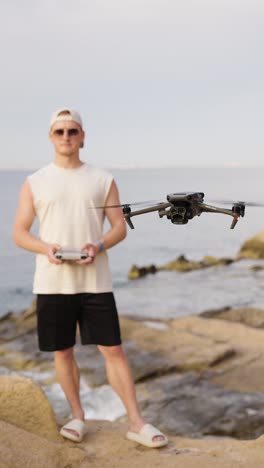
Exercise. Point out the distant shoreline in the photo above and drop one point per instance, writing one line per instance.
(146, 167)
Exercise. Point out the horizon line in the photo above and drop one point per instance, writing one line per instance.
(153, 166)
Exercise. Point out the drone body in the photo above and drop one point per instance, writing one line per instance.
(181, 207)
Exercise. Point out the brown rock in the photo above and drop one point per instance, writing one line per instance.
(20, 448)
(250, 316)
(24, 404)
(208, 260)
(106, 447)
(13, 325)
(27, 320)
(136, 272)
(183, 350)
(253, 248)
(181, 264)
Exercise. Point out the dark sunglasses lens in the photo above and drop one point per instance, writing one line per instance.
(73, 131)
(70, 132)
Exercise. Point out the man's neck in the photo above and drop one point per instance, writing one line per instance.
(67, 162)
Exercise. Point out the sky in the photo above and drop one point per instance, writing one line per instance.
(157, 82)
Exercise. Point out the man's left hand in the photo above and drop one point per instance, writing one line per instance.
(91, 250)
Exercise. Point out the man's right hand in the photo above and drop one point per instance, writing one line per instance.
(50, 252)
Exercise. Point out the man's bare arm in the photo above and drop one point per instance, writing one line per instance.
(23, 222)
(115, 216)
(117, 231)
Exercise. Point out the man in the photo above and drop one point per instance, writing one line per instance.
(63, 196)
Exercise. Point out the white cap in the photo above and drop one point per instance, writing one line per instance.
(66, 114)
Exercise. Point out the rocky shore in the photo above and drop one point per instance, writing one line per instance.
(198, 377)
(22, 443)
(30, 440)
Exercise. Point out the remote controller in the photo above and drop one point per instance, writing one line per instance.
(71, 255)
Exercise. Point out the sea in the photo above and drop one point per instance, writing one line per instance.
(157, 241)
(166, 294)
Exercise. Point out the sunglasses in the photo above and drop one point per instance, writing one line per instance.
(69, 132)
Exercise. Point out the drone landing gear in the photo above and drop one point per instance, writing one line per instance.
(239, 211)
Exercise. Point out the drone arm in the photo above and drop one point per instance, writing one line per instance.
(214, 209)
(128, 214)
(158, 207)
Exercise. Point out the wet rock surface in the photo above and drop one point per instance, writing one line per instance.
(190, 405)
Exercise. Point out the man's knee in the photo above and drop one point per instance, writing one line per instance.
(112, 352)
(64, 354)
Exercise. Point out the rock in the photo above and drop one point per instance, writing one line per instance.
(20, 448)
(190, 405)
(181, 264)
(106, 447)
(183, 350)
(208, 260)
(138, 272)
(14, 325)
(151, 351)
(28, 320)
(253, 247)
(194, 353)
(144, 364)
(23, 403)
(250, 316)
(256, 268)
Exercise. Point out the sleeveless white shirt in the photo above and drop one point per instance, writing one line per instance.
(64, 200)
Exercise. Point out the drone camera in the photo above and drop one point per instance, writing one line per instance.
(178, 215)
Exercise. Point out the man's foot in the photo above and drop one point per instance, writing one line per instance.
(149, 436)
(74, 430)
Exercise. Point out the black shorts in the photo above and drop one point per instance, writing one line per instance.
(59, 314)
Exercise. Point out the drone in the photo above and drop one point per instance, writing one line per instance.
(181, 207)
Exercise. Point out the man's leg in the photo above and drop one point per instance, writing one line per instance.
(121, 380)
(68, 376)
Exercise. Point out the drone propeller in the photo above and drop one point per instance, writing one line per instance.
(247, 203)
(124, 205)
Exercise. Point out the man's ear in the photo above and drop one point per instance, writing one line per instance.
(82, 143)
